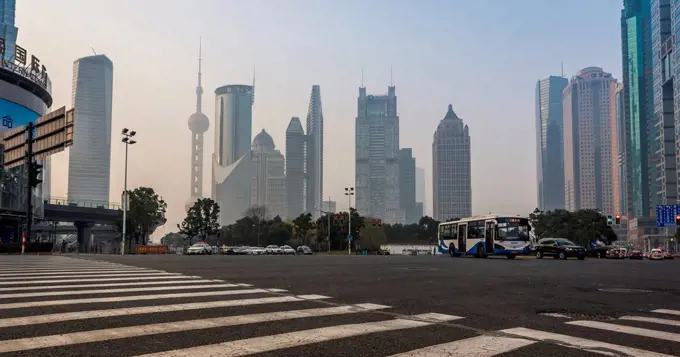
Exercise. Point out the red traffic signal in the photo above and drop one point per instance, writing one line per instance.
(677, 220)
(380, 223)
(373, 222)
(617, 219)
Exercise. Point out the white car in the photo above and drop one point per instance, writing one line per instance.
(656, 254)
(273, 249)
(257, 251)
(287, 250)
(200, 248)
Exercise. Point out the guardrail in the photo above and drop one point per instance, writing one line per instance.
(89, 204)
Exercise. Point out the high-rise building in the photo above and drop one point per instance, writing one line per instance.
(8, 30)
(590, 144)
(407, 185)
(89, 167)
(621, 194)
(377, 156)
(198, 124)
(638, 106)
(269, 178)
(232, 162)
(549, 156)
(451, 171)
(420, 187)
(663, 130)
(314, 153)
(295, 168)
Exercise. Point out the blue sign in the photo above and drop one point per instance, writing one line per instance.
(349, 237)
(13, 115)
(665, 215)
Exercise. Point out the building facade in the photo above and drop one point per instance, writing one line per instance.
(8, 30)
(89, 167)
(407, 185)
(451, 170)
(296, 188)
(638, 108)
(198, 125)
(329, 206)
(621, 194)
(377, 156)
(269, 179)
(549, 145)
(590, 143)
(314, 154)
(232, 161)
(420, 188)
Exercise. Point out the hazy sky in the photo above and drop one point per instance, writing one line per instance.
(482, 56)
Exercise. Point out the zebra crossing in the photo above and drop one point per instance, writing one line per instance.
(62, 306)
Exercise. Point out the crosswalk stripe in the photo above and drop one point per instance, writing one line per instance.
(667, 312)
(480, 346)
(155, 277)
(89, 276)
(144, 283)
(69, 269)
(28, 304)
(24, 344)
(115, 291)
(582, 343)
(95, 314)
(81, 272)
(292, 339)
(662, 335)
(651, 320)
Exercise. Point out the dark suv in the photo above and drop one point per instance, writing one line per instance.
(559, 248)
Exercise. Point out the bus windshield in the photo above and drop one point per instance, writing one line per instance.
(513, 231)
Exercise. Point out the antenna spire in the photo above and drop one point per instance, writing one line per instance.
(253, 96)
(562, 65)
(362, 77)
(391, 81)
(199, 88)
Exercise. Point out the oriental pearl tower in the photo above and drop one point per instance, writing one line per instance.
(198, 124)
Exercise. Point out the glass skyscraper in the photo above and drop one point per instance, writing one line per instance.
(7, 29)
(549, 144)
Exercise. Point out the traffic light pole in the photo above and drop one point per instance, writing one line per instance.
(29, 187)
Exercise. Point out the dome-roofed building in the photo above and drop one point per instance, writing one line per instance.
(263, 142)
(269, 179)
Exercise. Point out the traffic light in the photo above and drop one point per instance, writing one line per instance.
(380, 223)
(374, 222)
(618, 219)
(677, 220)
(609, 220)
(34, 172)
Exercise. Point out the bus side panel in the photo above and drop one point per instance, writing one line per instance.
(472, 244)
(443, 246)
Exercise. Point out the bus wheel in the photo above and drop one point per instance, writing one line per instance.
(480, 252)
(452, 250)
(511, 256)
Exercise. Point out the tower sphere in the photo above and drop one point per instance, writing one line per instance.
(198, 123)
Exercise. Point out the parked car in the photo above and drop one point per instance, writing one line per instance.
(256, 251)
(635, 254)
(287, 250)
(273, 249)
(305, 250)
(668, 255)
(200, 249)
(617, 253)
(656, 254)
(559, 248)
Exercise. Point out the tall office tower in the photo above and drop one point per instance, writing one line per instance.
(638, 110)
(295, 168)
(269, 178)
(451, 171)
(663, 130)
(420, 189)
(549, 157)
(407, 185)
(89, 167)
(377, 156)
(621, 194)
(198, 124)
(314, 153)
(8, 30)
(589, 103)
(232, 162)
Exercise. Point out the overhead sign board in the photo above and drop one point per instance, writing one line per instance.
(14, 147)
(665, 215)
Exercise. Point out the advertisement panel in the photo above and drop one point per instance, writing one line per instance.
(14, 115)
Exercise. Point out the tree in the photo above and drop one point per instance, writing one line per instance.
(258, 213)
(302, 224)
(145, 214)
(581, 227)
(172, 239)
(201, 220)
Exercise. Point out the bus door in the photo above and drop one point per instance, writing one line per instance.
(462, 238)
(489, 236)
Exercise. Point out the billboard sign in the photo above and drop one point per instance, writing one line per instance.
(665, 215)
(25, 66)
(14, 115)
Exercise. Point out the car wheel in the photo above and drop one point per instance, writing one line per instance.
(562, 256)
(539, 255)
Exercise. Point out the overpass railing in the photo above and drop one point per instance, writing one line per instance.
(90, 204)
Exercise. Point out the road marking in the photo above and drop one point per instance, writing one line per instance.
(667, 312)
(277, 290)
(115, 291)
(28, 304)
(70, 269)
(582, 343)
(481, 346)
(76, 286)
(24, 344)
(94, 280)
(77, 272)
(89, 276)
(95, 314)
(662, 335)
(552, 314)
(313, 297)
(651, 320)
(292, 339)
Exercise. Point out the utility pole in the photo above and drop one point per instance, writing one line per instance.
(29, 181)
(127, 134)
(349, 192)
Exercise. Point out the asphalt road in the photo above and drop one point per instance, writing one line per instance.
(301, 306)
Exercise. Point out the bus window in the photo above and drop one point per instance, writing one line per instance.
(454, 231)
(476, 230)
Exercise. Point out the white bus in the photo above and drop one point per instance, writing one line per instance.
(486, 235)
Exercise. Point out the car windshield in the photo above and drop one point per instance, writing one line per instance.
(513, 231)
(563, 242)
(197, 245)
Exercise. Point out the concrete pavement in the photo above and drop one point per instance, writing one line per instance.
(336, 306)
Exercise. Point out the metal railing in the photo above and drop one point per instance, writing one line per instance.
(90, 204)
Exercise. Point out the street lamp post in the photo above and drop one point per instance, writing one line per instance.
(328, 227)
(127, 134)
(349, 192)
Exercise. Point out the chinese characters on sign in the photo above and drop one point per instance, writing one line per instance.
(665, 215)
(33, 70)
(7, 122)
